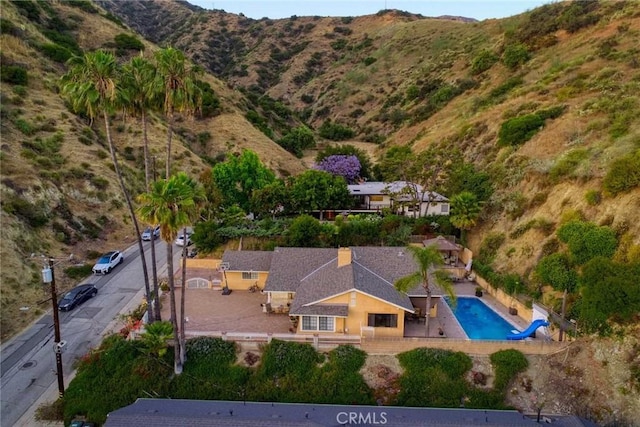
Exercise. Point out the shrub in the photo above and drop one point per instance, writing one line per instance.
(14, 74)
(8, 27)
(28, 8)
(623, 174)
(369, 60)
(593, 197)
(518, 130)
(490, 245)
(556, 270)
(483, 61)
(25, 127)
(567, 164)
(335, 131)
(507, 363)
(127, 42)
(515, 55)
(34, 215)
(287, 358)
(55, 52)
(78, 272)
(299, 139)
(587, 240)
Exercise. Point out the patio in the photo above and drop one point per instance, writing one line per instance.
(207, 310)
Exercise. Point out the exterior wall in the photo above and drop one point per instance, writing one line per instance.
(506, 299)
(358, 315)
(203, 263)
(278, 299)
(378, 204)
(435, 208)
(237, 283)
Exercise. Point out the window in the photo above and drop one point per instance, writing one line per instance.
(383, 320)
(352, 301)
(444, 208)
(249, 275)
(376, 198)
(318, 323)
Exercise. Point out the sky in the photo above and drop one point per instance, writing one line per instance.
(277, 9)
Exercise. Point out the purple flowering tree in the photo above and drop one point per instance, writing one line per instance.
(342, 165)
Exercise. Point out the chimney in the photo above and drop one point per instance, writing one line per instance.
(344, 256)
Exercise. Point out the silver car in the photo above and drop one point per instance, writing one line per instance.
(151, 233)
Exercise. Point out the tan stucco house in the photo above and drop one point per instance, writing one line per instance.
(333, 291)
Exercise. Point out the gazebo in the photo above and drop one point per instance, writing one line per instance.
(448, 249)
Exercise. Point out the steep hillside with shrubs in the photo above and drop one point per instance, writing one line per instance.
(58, 189)
(543, 103)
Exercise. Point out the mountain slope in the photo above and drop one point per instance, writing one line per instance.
(403, 79)
(58, 188)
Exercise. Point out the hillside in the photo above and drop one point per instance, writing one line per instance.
(400, 79)
(395, 79)
(59, 193)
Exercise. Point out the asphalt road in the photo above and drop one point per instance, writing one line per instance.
(28, 366)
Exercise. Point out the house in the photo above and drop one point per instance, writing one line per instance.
(243, 270)
(331, 291)
(402, 197)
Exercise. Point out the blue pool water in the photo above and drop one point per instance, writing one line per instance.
(479, 321)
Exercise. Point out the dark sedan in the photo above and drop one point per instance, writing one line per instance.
(77, 296)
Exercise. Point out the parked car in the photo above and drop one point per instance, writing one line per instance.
(77, 296)
(107, 262)
(182, 240)
(151, 233)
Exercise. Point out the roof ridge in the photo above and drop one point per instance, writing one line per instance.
(374, 273)
(319, 268)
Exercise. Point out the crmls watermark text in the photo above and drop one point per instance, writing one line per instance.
(361, 418)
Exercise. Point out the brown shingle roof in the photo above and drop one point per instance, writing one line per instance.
(248, 260)
(290, 265)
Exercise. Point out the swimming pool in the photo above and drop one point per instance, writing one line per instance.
(479, 321)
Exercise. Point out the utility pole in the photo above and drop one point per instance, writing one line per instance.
(564, 306)
(48, 276)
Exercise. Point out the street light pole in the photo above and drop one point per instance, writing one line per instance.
(48, 276)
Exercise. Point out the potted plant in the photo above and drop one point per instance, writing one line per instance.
(513, 310)
(478, 291)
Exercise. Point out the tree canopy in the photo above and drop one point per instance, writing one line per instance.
(316, 190)
(238, 177)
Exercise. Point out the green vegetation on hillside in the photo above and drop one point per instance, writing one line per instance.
(284, 372)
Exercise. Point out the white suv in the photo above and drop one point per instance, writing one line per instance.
(107, 262)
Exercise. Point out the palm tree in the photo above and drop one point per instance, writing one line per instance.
(139, 93)
(465, 209)
(176, 78)
(91, 85)
(155, 337)
(427, 259)
(198, 197)
(169, 204)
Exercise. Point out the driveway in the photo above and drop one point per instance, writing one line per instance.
(208, 310)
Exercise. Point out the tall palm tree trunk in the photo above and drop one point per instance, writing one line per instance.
(183, 357)
(169, 136)
(154, 268)
(428, 313)
(177, 365)
(127, 198)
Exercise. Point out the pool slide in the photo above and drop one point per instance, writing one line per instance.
(529, 331)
